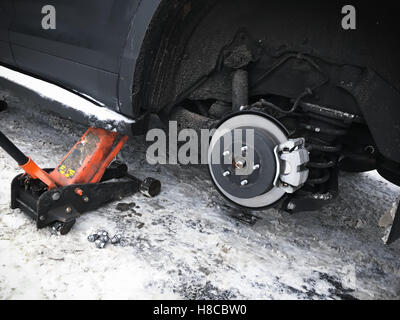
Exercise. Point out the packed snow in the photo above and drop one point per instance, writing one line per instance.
(188, 243)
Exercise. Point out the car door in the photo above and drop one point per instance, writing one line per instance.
(83, 52)
(6, 15)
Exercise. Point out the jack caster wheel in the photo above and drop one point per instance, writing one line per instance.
(150, 187)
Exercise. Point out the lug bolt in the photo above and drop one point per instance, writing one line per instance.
(93, 237)
(42, 218)
(256, 167)
(68, 210)
(86, 199)
(244, 183)
(226, 173)
(226, 153)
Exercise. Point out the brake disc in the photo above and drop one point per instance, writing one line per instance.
(253, 163)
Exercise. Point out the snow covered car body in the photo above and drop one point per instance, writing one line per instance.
(152, 56)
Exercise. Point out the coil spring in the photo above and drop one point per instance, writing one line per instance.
(322, 142)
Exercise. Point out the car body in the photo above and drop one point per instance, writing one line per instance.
(91, 51)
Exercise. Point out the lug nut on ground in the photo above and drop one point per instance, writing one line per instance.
(93, 237)
(116, 239)
(101, 239)
(100, 244)
(102, 233)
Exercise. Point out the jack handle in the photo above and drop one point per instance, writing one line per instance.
(25, 162)
(13, 150)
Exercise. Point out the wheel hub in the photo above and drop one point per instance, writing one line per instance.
(243, 162)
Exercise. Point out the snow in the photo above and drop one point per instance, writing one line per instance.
(190, 247)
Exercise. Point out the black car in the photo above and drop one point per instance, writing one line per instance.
(317, 80)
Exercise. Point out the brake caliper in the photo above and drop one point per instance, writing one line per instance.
(291, 157)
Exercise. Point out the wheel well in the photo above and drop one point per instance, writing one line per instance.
(163, 49)
(297, 44)
(186, 37)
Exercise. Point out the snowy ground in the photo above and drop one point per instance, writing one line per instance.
(185, 244)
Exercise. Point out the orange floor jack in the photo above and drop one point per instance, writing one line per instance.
(86, 179)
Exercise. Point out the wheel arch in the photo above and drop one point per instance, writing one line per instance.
(159, 81)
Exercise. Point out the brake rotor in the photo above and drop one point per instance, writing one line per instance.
(242, 162)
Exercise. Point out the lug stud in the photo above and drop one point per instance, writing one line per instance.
(244, 183)
(256, 167)
(226, 174)
(226, 153)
